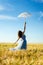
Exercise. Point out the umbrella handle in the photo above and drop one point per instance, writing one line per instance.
(25, 19)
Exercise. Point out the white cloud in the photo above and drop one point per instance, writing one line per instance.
(7, 17)
(2, 8)
(41, 14)
(6, 7)
(9, 7)
(41, 1)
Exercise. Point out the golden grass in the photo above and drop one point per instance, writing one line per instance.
(32, 56)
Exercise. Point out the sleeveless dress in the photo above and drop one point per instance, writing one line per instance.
(22, 44)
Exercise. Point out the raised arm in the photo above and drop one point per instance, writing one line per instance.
(24, 27)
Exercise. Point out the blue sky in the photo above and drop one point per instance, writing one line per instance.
(10, 23)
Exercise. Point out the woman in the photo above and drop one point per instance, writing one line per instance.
(22, 43)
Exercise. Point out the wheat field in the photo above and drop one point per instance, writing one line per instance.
(32, 56)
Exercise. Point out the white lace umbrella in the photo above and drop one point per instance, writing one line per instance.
(24, 15)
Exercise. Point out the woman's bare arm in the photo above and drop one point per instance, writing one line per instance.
(17, 40)
(23, 31)
(24, 27)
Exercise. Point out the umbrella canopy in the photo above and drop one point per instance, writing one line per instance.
(24, 15)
